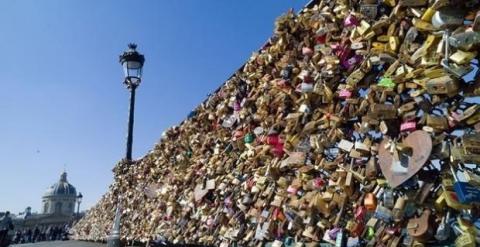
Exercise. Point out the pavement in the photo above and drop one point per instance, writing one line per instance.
(61, 244)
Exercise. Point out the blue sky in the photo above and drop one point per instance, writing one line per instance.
(62, 101)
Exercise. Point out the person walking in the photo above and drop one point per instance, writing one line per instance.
(36, 234)
(6, 224)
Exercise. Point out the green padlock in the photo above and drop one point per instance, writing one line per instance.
(370, 233)
(248, 138)
(386, 82)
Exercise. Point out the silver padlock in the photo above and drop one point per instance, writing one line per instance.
(369, 9)
(444, 231)
(465, 39)
(448, 18)
(454, 69)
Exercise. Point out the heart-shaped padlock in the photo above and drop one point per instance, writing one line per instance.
(421, 144)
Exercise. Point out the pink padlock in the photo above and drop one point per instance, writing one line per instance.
(318, 183)
(306, 51)
(350, 21)
(344, 94)
(408, 126)
(292, 190)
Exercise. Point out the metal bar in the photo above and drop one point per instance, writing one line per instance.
(131, 117)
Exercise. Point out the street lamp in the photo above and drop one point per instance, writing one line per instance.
(132, 63)
(79, 200)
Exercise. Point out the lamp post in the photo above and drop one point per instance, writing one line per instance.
(79, 200)
(132, 63)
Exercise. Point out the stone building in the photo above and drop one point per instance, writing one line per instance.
(60, 198)
(59, 204)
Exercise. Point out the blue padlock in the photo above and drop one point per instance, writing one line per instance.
(466, 193)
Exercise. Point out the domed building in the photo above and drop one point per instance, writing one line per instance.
(58, 207)
(60, 198)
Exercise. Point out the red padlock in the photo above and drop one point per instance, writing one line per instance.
(277, 150)
(273, 139)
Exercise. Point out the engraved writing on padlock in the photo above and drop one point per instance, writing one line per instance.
(442, 85)
(369, 10)
(384, 111)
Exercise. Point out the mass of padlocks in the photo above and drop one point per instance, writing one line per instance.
(356, 124)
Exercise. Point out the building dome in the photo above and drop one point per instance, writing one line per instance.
(60, 198)
(61, 188)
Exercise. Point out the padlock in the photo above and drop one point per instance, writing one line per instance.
(451, 200)
(412, 3)
(384, 111)
(465, 239)
(442, 85)
(472, 178)
(444, 231)
(383, 213)
(388, 198)
(437, 122)
(370, 201)
(341, 239)
(464, 40)
(456, 70)
(471, 143)
(465, 192)
(447, 18)
(398, 209)
(370, 10)
(462, 57)
(421, 228)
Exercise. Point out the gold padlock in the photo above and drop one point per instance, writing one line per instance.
(463, 57)
(465, 240)
(442, 85)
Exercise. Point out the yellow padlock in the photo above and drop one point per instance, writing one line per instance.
(462, 57)
(440, 203)
(363, 28)
(393, 43)
(428, 14)
(451, 200)
(465, 240)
